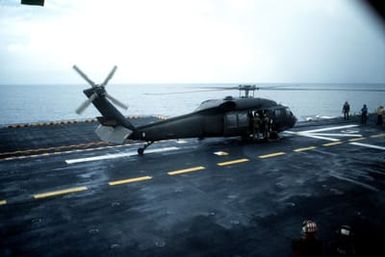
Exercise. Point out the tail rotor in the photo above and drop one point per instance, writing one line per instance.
(97, 90)
(116, 101)
(84, 76)
(109, 76)
(85, 104)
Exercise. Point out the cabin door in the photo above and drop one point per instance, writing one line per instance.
(236, 123)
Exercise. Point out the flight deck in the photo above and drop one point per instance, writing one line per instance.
(66, 193)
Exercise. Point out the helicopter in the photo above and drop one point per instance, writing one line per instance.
(228, 117)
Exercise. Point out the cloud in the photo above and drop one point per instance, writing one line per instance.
(192, 41)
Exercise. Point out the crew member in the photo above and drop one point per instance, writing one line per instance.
(364, 114)
(346, 110)
(251, 124)
(308, 245)
(256, 125)
(380, 115)
(271, 128)
(265, 126)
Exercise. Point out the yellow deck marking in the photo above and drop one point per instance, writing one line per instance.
(271, 155)
(333, 143)
(232, 162)
(298, 150)
(356, 139)
(177, 172)
(2, 202)
(60, 192)
(130, 180)
(378, 135)
(221, 153)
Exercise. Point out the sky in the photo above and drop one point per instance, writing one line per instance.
(197, 41)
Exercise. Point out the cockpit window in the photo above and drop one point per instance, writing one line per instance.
(277, 113)
(288, 112)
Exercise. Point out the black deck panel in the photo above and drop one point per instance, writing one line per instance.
(253, 208)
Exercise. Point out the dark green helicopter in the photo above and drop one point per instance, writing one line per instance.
(228, 117)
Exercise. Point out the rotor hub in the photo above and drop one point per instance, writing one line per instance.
(100, 90)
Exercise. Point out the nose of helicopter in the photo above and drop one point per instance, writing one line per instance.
(293, 120)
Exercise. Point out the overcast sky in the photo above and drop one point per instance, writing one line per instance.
(178, 41)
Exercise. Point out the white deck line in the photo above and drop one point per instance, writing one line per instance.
(329, 128)
(118, 155)
(326, 136)
(369, 146)
(337, 135)
(305, 134)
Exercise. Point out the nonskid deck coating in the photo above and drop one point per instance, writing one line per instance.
(133, 206)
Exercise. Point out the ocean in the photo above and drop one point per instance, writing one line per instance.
(39, 103)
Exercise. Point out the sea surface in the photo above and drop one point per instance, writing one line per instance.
(38, 103)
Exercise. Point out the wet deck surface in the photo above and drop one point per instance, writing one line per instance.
(216, 197)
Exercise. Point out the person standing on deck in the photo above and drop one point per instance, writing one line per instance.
(364, 114)
(265, 126)
(346, 110)
(256, 125)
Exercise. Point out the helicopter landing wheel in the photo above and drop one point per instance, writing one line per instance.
(141, 150)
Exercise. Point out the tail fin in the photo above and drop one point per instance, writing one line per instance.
(114, 127)
(110, 115)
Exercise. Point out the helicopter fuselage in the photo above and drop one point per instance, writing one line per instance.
(218, 118)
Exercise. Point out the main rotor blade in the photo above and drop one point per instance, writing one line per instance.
(303, 88)
(84, 76)
(188, 92)
(220, 88)
(117, 102)
(327, 89)
(86, 103)
(208, 89)
(248, 87)
(279, 87)
(109, 76)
